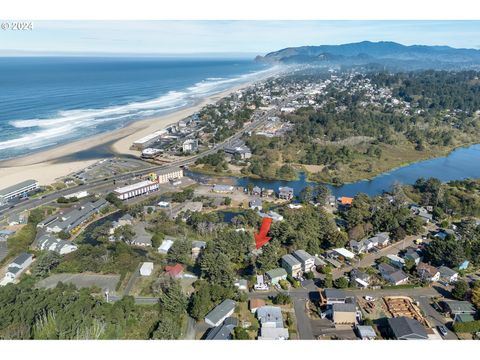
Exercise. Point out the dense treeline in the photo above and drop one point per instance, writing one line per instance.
(67, 313)
(435, 90)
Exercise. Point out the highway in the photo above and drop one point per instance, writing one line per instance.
(107, 183)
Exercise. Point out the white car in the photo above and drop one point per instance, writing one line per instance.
(369, 298)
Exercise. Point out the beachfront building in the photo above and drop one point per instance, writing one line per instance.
(165, 176)
(17, 191)
(148, 140)
(137, 189)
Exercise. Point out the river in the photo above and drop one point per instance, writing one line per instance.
(461, 163)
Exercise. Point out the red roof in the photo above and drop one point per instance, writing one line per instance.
(346, 200)
(174, 270)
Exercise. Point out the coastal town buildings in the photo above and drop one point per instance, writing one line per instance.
(17, 191)
(137, 189)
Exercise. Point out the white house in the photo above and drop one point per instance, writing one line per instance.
(344, 252)
(18, 265)
(165, 246)
(447, 275)
(307, 260)
(146, 269)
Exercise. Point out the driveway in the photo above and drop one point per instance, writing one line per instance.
(303, 321)
(433, 316)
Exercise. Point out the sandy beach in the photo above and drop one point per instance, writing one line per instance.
(51, 164)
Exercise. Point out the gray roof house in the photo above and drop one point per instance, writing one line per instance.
(404, 328)
(270, 316)
(307, 260)
(447, 275)
(275, 275)
(291, 265)
(256, 204)
(336, 296)
(220, 312)
(392, 275)
(285, 192)
(366, 332)
(223, 332)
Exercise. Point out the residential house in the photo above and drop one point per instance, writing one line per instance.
(270, 316)
(392, 275)
(48, 242)
(447, 275)
(285, 193)
(223, 332)
(361, 246)
(275, 275)
(146, 269)
(220, 312)
(421, 212)
(366, 332)
(380, 240)
(344, 313)
(454, 308)
(256, 191)
(345, 201)
(342, 252)
(260, 285)
(428, 272)
(404, 328)
(267, 333)
(255, 204)
(165, 246)
(396, 261)
(334, 296)
(292, 265)
(17, 266)
(307, 260)
(174, 271)
(360, 278)
(412, 254)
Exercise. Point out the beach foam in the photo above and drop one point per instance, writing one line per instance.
(72, 124)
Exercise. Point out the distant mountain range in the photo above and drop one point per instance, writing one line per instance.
(384, 53)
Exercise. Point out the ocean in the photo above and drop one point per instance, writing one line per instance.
(49, 101)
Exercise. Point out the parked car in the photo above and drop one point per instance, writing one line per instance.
(443, 330)
(369, 298)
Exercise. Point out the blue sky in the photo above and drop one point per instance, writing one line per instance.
(189, 37)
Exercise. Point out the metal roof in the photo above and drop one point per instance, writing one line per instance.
(220, 311)
(278, 272)
(17, 187)
(404, 328)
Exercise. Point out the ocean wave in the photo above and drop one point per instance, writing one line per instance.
(68, 124)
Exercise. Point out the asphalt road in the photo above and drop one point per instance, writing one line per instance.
(304, 326)
(369, 259)
(107, 183)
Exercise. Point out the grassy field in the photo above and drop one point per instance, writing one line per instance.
(363, 167)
